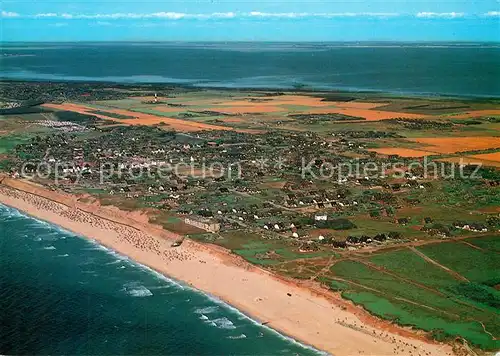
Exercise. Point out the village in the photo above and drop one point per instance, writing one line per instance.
(216, 181)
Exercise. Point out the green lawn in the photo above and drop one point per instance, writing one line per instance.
(476, 265)
(438, 303)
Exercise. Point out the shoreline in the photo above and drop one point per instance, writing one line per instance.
(382, 93)
(169, 279)
(308, 316)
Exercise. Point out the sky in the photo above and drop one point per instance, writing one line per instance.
(243, 20)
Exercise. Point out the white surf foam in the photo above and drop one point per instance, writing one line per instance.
(223, 323)
(114, 262)
(207, 310)
(242, 336)
(49, 248)
(136, 289)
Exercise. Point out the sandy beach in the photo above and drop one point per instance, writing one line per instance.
(309, 314)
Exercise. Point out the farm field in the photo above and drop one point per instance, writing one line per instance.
(475, 160)
(449, 288)
(401, 152)
(447, 145)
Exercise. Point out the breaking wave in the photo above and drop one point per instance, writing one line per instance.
(135, 289)
(207, 310)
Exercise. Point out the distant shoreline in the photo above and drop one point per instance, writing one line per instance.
(302, 313)
(306, 90)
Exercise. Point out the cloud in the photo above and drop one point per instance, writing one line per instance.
(276, 14)
(207, 16)
(440, 15)
(321, 15)
(492, 14)
(155, 15)
(9, 14)
(50, 14)
(175, 16)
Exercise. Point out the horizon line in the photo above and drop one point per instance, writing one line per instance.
(254, 41)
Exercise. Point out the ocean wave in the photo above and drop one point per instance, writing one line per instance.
(49, 248)
(243, 316)
(7, 213)
(114, 262)
(159, 276)
(207, 310)
(95, 248)
(65, 255)
(241, 336)
(135, 289)
(223, 323)
(160, 287)
(203, 317)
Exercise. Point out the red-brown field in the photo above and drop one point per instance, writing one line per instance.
(489, 159)
(141, 119)
(477, 113)
(251, 109)
(494, 157)
(457, 144)
(370, 115)
(402, 152)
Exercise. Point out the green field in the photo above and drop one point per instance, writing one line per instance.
(8, 143)
(404, 287)
(479, 266)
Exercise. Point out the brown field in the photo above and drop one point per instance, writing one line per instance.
(370, 115)
(142, 119)
(495, 157)
(471, 160)
(251, 109)
(356, 105)
(458, 144)
(477, 113)
(402, 152)
(299, 100)
(487, 159)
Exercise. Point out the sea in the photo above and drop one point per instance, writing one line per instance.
(432, 69)
(64, 294)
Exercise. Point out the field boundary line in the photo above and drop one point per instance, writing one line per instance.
(430, 260)
(394, 297)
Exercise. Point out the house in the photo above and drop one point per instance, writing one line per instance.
(403, 221)
(203, 223)
(321, 217)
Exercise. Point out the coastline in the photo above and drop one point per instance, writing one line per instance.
(323, 321)
(348, 91)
